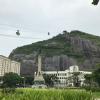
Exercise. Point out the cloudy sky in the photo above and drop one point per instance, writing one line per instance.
(35, 18)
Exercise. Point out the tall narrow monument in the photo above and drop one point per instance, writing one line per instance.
(38, 78)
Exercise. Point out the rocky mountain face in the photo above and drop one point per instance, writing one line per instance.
(60, 52)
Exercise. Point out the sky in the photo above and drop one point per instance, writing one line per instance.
(35, 18)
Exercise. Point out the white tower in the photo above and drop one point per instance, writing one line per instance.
(38, 78)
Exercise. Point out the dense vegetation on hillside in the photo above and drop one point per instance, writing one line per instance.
(57, 45)
(63, 50)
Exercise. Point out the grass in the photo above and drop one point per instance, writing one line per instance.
(47, 94)
(96, 94)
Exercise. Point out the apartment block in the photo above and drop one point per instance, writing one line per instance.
(7, 65)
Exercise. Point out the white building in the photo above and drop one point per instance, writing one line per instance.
(15, 66)
(66, 77)
(6, 66)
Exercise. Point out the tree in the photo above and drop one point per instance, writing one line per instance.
(76, 79)
(10, 81)
(95, 2)
(29, 80)
(88, 79)
(50, 79)
(96, 75)
(93, 80)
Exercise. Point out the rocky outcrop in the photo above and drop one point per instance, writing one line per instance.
(60, 52)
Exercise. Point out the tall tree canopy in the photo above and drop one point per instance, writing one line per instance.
(11, 80)
(50, 79)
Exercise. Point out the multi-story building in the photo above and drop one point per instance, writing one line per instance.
(7, 65)
(65, 78)
(69, 77)
(15, 66)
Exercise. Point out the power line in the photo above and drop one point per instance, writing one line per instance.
(12, 36)
(16, 27)
(25, 29)
(22, 29)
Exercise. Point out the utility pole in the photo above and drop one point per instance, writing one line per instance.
(23, 81)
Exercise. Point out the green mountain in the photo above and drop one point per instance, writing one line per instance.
(60, 52)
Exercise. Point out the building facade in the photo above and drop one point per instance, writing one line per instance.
(66, 79)
(7, 65)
